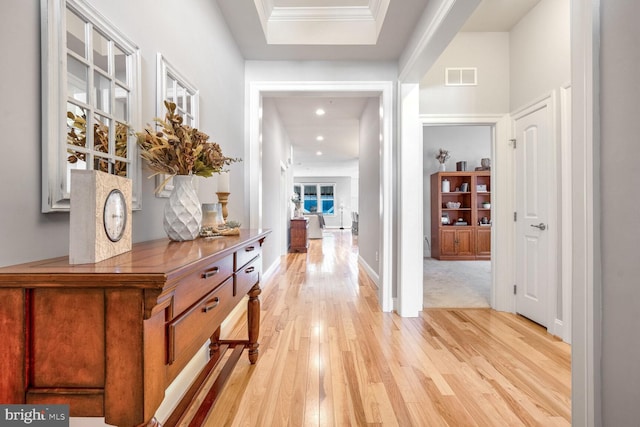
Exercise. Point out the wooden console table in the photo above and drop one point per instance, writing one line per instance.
(108, 338)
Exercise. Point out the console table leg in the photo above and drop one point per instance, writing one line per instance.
(253, 319)
(214, 347)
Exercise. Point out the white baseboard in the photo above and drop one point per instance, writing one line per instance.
(270, 271)
(558, 331)
(370, 271)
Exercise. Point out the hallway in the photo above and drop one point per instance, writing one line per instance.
(329, 357)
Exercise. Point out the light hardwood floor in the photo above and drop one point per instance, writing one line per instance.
(330, 357)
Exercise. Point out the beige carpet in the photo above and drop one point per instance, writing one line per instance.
(459, 284)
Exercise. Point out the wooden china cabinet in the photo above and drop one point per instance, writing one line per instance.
(461, 215)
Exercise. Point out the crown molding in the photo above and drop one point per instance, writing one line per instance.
(342, 13)
(318, 25)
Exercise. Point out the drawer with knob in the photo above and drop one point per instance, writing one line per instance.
(187, 331)
(202, 281)
(246, 254)
(247, 276)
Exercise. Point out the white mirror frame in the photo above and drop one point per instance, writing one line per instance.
(164, 70)
(55, 197)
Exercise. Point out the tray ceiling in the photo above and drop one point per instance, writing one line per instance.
(347, 22)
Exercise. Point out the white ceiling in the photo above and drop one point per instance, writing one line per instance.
(340, 125)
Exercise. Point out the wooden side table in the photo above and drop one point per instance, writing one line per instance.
(299, 235)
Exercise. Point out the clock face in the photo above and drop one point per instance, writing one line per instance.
(115, 215)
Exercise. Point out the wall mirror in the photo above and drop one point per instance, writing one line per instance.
(174, 87)
(90, 99)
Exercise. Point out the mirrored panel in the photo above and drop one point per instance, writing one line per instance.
(100, 51)
(121, 108)
(93, 69)
(101, 92)
(77, 79)
(75, 34)
(120, 65)
(101, 134)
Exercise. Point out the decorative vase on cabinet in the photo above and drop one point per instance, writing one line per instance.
(182, 212)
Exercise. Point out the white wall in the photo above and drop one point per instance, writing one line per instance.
(465, 143)
(218, 71)
(619, 154)
(276, 146)
(263, 71)
(369, 223)
(489, 53)
(540, 52)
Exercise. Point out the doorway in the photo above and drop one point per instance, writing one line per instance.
(455, 283)
(501, 155)
(254, 186)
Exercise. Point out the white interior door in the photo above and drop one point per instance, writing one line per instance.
(534, 178)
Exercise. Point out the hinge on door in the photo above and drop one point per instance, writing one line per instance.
(515, 288)
(515, 216)
(513, 141)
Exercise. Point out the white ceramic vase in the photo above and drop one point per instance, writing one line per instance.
(442, 167)
(182, 212)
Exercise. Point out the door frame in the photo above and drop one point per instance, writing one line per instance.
(253, 173)
(503, 232)
(586, 298)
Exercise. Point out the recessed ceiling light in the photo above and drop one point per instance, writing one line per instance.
(318, 153)
(319, 112)
(319, 138)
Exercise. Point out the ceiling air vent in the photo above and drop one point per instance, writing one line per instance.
(461, 76)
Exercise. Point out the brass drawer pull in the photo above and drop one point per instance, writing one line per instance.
(211, 305)
(250, 270)
(249, 249)
(211, 272)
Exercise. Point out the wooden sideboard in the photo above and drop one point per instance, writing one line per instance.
(108, 338)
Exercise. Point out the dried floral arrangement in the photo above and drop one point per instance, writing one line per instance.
(178, 149)
(77, 136)
(443, 155)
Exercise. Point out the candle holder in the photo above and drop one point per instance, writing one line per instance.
(223, 197)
